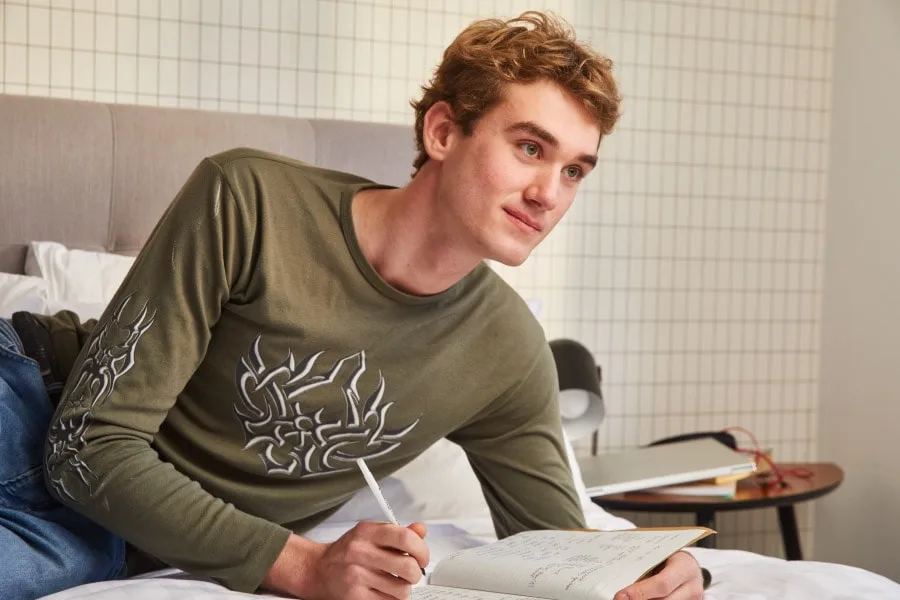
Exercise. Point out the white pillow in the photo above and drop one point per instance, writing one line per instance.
(596, 517)
(32, 294)
(414, 495)
(440, 485)
(77, 275)
(21, 292)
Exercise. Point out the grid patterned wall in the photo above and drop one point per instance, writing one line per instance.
(691, 263)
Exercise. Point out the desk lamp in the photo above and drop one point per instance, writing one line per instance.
(580, 399)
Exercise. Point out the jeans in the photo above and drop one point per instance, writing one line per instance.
(45, 547)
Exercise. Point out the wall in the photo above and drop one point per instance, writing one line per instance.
(861, 324)
(691, 263)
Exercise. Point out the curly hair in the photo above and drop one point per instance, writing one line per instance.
(491, 53)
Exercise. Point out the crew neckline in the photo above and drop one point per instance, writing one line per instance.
(366, 268)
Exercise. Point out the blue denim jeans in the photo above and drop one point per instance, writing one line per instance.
(45, 547)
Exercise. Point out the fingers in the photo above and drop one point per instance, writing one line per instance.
(383, 596)
(661, 585)
(392, 587)
(688, 591)
(374, 584)
(420, 529)
(363, 553)
(685, 592)
(404, 540)
(680, 579)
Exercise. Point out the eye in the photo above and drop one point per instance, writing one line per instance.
(574, 173)
(530, 148)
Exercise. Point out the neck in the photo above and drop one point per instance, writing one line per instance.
(409, 241)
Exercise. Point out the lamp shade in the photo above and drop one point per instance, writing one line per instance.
(580, 398)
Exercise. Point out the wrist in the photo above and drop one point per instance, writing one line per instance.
(294, 571)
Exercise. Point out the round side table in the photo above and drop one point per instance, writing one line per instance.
(825, 478)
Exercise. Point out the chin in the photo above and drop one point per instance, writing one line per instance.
(511, 257)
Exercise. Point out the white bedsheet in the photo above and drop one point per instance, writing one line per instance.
(737, 575)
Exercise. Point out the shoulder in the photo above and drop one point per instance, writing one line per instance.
(501, 293)
(244, 158)
(246, 168)
(506, 318)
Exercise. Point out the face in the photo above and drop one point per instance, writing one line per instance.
(508, 184)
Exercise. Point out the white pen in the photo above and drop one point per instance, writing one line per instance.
(379, 497)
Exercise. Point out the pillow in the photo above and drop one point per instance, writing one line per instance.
(77, 275)
(21, 292)
(414, 494)
(596, 517)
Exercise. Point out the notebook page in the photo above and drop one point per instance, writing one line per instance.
(433, 592)
(560, 565)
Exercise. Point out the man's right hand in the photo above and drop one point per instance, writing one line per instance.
(372, 561)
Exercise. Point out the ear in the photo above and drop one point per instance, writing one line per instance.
(439, 130)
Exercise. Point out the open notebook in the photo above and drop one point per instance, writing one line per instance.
(555, 565)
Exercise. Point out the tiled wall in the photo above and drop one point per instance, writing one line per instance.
(691, 264)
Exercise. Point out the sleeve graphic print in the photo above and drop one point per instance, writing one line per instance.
(110, 356)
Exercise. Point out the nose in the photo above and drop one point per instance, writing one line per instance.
(544, 190)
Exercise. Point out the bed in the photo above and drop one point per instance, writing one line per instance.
(461, 520)
(83, 183)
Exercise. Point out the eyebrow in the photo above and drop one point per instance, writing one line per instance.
(539, 132)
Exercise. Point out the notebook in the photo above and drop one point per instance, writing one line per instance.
(666, 464)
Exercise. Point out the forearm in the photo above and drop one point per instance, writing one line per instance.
(161, 511)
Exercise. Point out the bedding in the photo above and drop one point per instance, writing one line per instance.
(57, 278)
(80, 277)
(32, 294)
(462, 522)
(737, 575)
(21, 292)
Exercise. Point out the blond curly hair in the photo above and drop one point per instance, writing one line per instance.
(491, 53)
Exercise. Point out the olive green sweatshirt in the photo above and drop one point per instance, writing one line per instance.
(252, 354)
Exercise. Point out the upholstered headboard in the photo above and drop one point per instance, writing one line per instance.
(97, 176)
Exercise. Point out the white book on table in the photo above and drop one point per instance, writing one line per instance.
(662, 465)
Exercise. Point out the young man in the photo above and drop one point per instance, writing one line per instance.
(283, 321)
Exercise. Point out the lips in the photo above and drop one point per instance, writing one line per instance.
(525, 219)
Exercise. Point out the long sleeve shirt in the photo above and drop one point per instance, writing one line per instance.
(252, 354)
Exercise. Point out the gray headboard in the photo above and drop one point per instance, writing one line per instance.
(97, 176)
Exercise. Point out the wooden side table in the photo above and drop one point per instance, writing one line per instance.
(825, 478)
